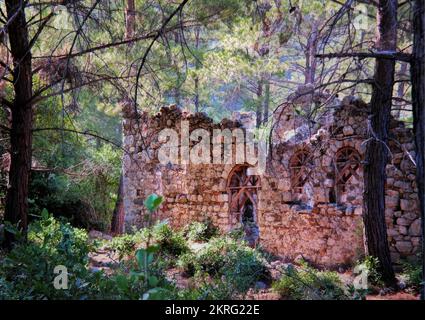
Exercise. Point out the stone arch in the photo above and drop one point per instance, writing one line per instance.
(300, 168)
(347, 165)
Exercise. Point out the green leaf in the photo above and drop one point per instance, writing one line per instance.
(153, 281)
(10, 228)
(141, 255)
(153, 248)
(153, 202)
(45, 214)
(122, 282)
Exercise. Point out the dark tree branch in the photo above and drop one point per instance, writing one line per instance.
(390, 55)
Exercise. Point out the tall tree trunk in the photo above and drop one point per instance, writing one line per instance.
(310, 55)
(117, 224)
(196, 100)
(376, 150)
(197, 66)
(16, 210)
(418, 101)
(266, 100)
(402, 84)
(130, 19)
(259, 112)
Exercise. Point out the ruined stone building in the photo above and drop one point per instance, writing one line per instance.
(307, 202)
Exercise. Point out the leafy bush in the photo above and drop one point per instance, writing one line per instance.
(87, 200)
(198, 231)
(28, 270)
(171, 242)
(225, 267)
(413, 274)
(370, 265)
(29, 267)
(310, 284)
(127, 244)
(145, 280)
(213, 289)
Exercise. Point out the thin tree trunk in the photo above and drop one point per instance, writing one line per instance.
(259, 103)
(402, 84)
(266, 101)
(130, 19)
(117, 224)
(359, 70)
(197, 66)
(196, 100)
(376, 150)
(16, 210)
(418, 101)
(310, 55)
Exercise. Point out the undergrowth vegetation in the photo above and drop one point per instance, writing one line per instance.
(215, 265)
(222, 268)
(412, 273)
(306, 283)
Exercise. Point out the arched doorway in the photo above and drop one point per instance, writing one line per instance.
(243, 199)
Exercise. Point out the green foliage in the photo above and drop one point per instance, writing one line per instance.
(309, 284)
(224, 265)
(198, 231)
(144, 280)
(171, 242)
(87, 200)
(27, 271)
(370, 265)
(152, 202)
(127, 244)
(413, 274)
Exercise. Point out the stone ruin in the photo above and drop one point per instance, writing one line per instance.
(307, 203)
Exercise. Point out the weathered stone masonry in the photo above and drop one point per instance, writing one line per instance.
(309, 200)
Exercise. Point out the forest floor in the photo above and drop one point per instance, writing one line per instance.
(106, 260)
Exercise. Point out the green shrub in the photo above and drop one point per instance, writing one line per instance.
(310, 284)
(87, 202)
(29, 267)
(371, 266)
(198, 231)
(213, 256)
(237, 234)
(214, 289)
(27, 272)
(224, 268)
(413, 274)
(127, 244)
(189, 263)
(145, 279)
(171, 242)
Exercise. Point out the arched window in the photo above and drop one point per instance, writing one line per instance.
(347, 163)
(242, 187)
(300, 166)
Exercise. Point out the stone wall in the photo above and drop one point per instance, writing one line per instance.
(192, 192)
(318, 215)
